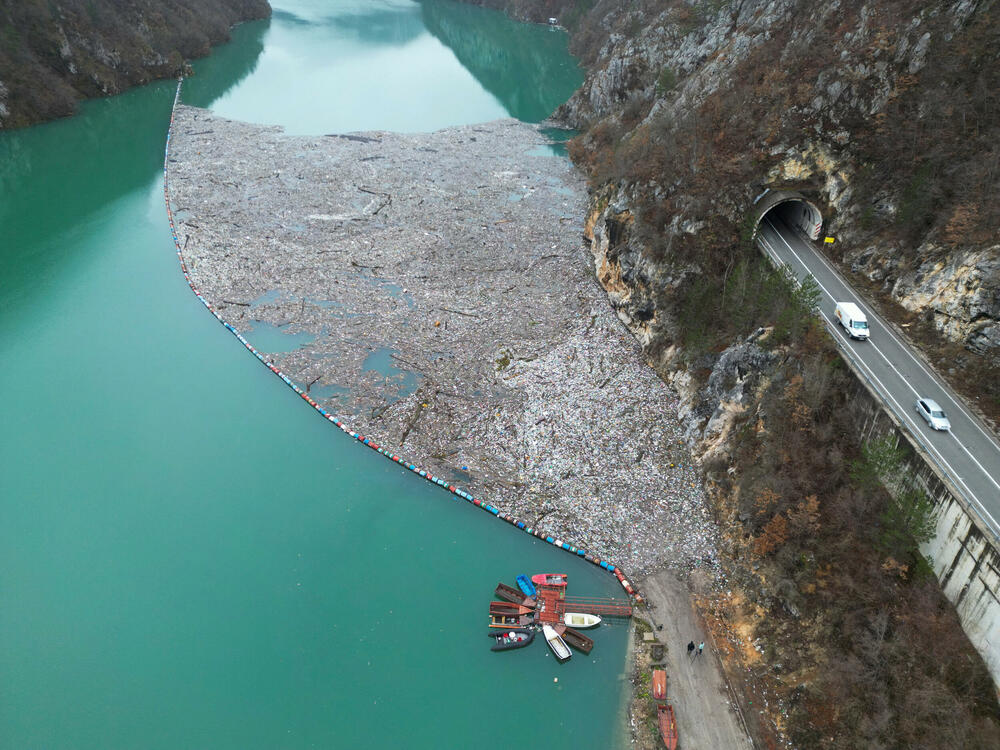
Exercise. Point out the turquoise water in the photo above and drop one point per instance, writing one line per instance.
(333, 67)
(381, 361)
(189, 556)
(273, 339)
(324, 392)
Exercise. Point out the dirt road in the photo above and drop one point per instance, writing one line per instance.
(706, 719)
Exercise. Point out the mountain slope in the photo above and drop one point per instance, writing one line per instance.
(885, 116)
(55, 52)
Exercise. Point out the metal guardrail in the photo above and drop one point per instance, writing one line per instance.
(987, 526)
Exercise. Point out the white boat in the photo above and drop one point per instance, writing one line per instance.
(556, 643)
(581, 620)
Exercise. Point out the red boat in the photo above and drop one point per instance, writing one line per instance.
(668, 725)
(659, 684)
(549, 579)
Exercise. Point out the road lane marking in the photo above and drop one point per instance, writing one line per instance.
(903, 414)
(933, 376)
(833, 299)
(878, 350)
(988, 475)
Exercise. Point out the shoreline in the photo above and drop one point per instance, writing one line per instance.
(459, 326)
(697, 687)
(304, 394)
(626, 739)
(574, 344)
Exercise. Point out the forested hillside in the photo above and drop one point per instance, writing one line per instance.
(55, 52)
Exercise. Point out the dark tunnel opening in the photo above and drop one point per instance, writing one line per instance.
(794, 211)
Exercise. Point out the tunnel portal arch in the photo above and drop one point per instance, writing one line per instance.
(792, 208)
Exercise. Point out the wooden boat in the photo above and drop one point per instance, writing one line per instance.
(513, 595)
(510, 639)
(549, 579)
(510, 621)
(508, 608)
(668, 725)
(581, 620)
(508, 593)
(659, 684)
(556, 643)
(526, 585)
(577, 640)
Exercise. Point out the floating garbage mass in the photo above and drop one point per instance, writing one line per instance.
(458, 492)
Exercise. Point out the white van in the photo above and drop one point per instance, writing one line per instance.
(853, 320)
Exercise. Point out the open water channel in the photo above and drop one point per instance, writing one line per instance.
(189, 555)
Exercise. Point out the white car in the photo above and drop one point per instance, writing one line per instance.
(929, 409)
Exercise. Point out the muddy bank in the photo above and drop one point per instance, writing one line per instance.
(433, 291)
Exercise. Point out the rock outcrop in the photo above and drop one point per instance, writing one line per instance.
(958, 292)
(885, 118)
(852, 103)
(54, 54)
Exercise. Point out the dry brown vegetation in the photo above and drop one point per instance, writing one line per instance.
(851, 633)
(52, 54)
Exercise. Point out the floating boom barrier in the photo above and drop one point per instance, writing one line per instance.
(458, 492)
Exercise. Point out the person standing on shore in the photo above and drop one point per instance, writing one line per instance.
(690, 647)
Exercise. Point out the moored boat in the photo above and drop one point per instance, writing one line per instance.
(508, 593)
(508, 608)
(577, 640)
(581, 620)
(549, 579)
(510, 621)
(556, 643)
(525, 585)
(668, 725)
(510, 639)
(513, 595)
(659, 684)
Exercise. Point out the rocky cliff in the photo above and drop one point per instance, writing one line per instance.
(53, 54)
(885, 116)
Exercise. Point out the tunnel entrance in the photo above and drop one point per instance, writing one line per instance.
(790, 208)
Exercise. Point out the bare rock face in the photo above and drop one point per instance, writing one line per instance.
(958, 292)
(710, 412)
(619, 267)
(704, 49)
(696, 42)
(962, 294)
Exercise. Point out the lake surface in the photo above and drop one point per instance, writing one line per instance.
(189, 555)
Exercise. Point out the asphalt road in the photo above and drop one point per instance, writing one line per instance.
(969, 454)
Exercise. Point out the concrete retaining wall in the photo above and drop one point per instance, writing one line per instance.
(965, 552)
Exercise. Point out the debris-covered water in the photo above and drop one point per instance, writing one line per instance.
(459, 326)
